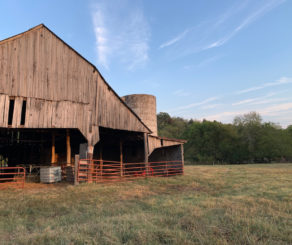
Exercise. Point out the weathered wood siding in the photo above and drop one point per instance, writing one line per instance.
(61, 88)
(155, 142)
(171, 142)
(39, 65)
(113, 113)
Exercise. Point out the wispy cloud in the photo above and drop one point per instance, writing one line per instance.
(101, 37)
(233, 10)
(181, 92)
(275, 106)
(253, 16)
(265, 8)
(174, 40)
(189, 106)
(216, 32)
(219, 42)
(211, 106)
(203, 63)
(276, 109)
(209, 61)
(256, 100)
(270, 111)
(243, 102)
(281, 81)
(260, 101)
(269, 101)
(122, 33)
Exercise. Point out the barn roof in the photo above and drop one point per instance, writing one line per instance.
(93, 66)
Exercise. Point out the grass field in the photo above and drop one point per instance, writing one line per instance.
(242, 204)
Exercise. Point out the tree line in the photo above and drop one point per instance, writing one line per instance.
(247, 140)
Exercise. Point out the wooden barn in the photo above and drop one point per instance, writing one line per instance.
(55, 105)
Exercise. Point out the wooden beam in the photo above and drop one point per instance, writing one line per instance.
(76, 164)
(68, 147)
(146, 153)
(182, 157)
(90, 150)
(53, 160)
(121, 159)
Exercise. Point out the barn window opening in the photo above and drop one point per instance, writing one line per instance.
(23, 112)
(10, 112)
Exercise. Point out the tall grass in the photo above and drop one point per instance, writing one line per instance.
(245, 204)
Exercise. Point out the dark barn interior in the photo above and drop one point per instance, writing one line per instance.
(26, 146)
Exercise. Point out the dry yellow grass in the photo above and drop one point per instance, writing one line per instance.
(240, 204)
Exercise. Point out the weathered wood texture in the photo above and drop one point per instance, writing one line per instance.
(62, 89)
(155, 142)
(113, 113)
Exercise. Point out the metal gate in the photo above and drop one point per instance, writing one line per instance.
(12, 177)
(90, 170)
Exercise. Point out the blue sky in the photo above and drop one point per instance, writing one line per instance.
(202, 59)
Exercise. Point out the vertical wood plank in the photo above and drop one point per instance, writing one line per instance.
(2, 109)
(182, 157)
(53, 159)
(76, 165)
(68, 143)
(17, 112)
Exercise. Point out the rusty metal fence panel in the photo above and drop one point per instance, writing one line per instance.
(12, 177)
(90, 170)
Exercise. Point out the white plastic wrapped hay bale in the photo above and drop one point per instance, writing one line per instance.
(50, 174)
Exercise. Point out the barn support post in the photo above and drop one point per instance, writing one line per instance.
(76, 165)
(53, 159)
(121, 159)
(90, 149)
(146, 153)
(68, 147)
(182, 157)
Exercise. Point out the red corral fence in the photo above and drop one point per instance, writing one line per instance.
(12, 177)
(103, 171)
